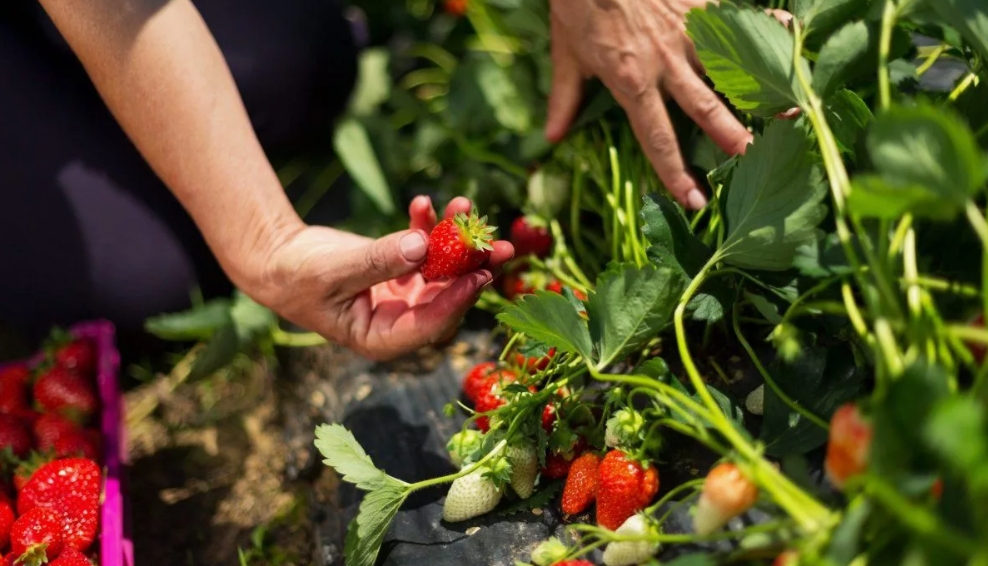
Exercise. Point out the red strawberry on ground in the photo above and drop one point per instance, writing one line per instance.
(530, 235)
(60, 391)
(581, 484)
(71, 557)
(623, 488)
(78, 356)
(14, 389)
(6, 522)
(72, 488)
(15, 435)
(457, 246)
(36, 536)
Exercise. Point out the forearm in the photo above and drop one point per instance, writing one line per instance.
(161, 74)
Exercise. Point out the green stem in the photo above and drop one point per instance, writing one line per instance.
(931, 59)
(965, 83)
(786, 399)
(803, 508)
(464, 472)
(673, 493)
(296, 339)
(884, 45)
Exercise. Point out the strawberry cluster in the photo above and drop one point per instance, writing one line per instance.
(50, 492)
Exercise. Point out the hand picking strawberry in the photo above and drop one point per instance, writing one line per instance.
(457, 246)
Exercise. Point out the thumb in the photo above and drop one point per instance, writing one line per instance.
(383, 259)
(567, 88)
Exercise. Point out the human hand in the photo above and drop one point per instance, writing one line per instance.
(368, 294)
(639, 50)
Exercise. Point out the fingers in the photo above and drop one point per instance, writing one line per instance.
(458, 205)
(503, 252)
(567, 88)
(702, 105)
(382, 260)
(421, 214)
(426, 323)
(655, 133)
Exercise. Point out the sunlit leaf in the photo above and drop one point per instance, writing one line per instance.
(774, 202)
(629, 306)
(551, 319)
(355, 151)
(749, 56)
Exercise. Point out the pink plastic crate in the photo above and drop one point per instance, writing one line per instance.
(115, 545)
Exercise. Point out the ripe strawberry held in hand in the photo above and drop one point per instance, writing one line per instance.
(457, 246)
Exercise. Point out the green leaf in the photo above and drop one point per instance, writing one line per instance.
(373, 81)
(821, 379)
(774, 201)
(366, 532)
(844, 544)
(970, 17)
(500, 88)
(218, 353)
(549, 318)
(824, 15)
(673, 245)
(656, 368)
(822, 258)
(251, 320)
(928, 163)
(839, 55)
(748, 55)
(768, 310)
(957, 431)
(355, 151)
(629, 306)
(198, 323)
(343, 453)
(848, 117)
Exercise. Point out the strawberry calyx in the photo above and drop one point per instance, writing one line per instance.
(474, 230)
(35, 555)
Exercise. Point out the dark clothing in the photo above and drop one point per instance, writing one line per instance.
(87, 229)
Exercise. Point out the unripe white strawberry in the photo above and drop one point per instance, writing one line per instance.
(471, 496)
(624, 429)
(726, 494)
(524, 468)
(627, 553)
(462, 444)
(755, 402)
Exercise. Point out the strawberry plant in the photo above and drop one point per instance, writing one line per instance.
(844, 256)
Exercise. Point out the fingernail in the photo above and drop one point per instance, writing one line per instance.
(695, 199)
(413, 246)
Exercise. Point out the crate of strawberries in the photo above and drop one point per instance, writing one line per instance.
(61, 501)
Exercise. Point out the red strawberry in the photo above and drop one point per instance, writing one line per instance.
(478, 380)
(848, 446)
(456, 8)
(548, 418)
(556, 287)
(61, 391)
(25, 470)
(581, 484)
(533, 365)
(530, 235)
(785, 558)
(486, 403)
(727, 493)
(36, 536)
(77, 444)
(556, 466)
(78, 356)
(624, 488)
(49, 428)
(6, 521)
(14, 389)
(71, 557)
(15, 435)
(516, 284)
(457, 246)
(71, 487)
